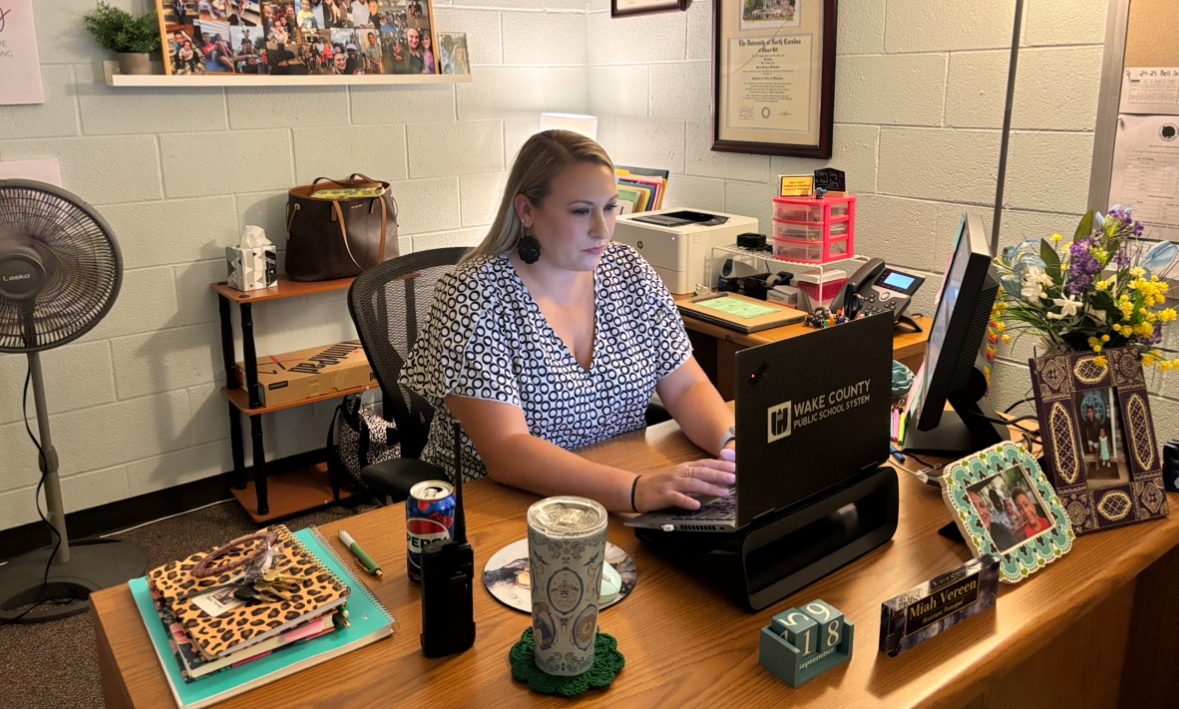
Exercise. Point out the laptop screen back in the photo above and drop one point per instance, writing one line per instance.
(812, 412)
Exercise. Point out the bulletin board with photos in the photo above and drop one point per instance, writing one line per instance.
(306, 37)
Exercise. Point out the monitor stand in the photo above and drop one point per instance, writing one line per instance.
(776, 555)
(960, 432)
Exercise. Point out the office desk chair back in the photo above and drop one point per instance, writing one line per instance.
(60, 272)
(389, 304)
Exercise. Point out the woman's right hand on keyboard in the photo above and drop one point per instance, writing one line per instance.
(676, 487)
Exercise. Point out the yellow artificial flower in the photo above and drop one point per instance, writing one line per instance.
(1167, 315)
(1138, 272)
(1100, 361)
(1006, 339)
(1057, 238)
(1102, 285)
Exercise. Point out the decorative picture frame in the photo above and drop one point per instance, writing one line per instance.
(1100, 448)
(625, 8)
(1027, 535)
(298, 37)
(774, 77)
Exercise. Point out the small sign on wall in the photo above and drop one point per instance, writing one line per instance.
(20, 69)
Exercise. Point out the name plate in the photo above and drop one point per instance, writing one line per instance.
(926, 610)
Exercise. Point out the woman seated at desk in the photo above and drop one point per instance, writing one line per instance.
(548, 338)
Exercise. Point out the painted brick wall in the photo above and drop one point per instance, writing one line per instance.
(919, 99)
(919, 96)
(179, 172)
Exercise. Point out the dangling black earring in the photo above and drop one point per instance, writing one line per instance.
(528, 248)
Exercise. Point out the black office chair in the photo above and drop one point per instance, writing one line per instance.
(389, 304)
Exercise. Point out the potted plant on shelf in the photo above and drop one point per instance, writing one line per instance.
(117, 30)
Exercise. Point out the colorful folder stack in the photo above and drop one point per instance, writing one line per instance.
(213, 645)
(640, 189)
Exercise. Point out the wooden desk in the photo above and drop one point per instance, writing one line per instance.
(1101, 616)
(716, 346)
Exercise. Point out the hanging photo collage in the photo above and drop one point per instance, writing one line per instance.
(298, 37)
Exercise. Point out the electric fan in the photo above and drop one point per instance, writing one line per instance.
(60, 271)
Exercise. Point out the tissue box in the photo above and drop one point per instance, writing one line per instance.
(251, 268)
(295, 376)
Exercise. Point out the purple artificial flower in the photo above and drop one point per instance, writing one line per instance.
(1121, 258)
(1082, 266)
(1157, 336)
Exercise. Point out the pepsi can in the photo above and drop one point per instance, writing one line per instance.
(429, 517)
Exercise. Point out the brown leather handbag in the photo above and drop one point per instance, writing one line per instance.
(338, 228)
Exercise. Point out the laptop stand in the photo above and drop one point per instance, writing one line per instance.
(776, 555)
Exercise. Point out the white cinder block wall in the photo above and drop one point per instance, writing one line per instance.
(919, 94)
(179, 172)
(918, 107)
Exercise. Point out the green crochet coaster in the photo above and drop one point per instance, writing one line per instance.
(608, 662)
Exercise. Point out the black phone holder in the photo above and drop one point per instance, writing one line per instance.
(778, 554)
(448, 575)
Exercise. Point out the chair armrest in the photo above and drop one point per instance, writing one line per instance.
(393, 478)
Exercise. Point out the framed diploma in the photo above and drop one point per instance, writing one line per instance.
(774, 77)
(622, 8)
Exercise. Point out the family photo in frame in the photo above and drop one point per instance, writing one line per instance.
(299, 37)
(774, 77)
(1100, 449)
(1004, 506)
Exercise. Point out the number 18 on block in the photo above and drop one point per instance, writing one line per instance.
(801, 643)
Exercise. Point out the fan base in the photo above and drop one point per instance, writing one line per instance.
(93, 564)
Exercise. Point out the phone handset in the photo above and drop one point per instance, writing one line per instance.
(876, 288)
(860, 281)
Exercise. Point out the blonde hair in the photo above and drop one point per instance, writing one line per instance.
(538, 163)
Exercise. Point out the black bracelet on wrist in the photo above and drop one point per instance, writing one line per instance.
(634, 487)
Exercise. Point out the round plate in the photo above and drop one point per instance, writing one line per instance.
(502, 575)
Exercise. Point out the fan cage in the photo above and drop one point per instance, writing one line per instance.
(82, 260)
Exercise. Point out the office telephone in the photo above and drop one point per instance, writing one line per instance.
(881, 289)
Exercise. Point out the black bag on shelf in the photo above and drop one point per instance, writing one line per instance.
(358, 436)
(338, 228)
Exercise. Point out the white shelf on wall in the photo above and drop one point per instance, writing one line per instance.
(768, 256)
(114, 78)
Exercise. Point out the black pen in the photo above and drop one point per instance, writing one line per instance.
(365, 560)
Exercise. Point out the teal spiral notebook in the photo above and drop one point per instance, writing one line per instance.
(369, 622)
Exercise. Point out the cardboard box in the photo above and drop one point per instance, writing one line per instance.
(251, 268)
(296, 376)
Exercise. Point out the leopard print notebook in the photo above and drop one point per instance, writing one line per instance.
(238, 627)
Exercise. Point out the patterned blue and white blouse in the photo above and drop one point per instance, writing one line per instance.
(487, 339)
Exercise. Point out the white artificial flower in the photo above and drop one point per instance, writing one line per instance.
(1032, 292)
(1068, 308)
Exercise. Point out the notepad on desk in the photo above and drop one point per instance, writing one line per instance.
(739, 312)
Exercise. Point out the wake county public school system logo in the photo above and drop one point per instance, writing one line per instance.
(782, 419)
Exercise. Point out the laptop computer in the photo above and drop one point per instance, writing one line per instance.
(812, 415)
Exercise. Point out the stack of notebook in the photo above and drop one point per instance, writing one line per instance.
(640, 189)
(213, 645)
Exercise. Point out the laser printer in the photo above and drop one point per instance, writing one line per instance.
(679, 243)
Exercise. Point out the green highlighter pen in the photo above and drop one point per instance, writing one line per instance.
(365, 560)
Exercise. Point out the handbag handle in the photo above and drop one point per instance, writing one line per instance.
(351, 179)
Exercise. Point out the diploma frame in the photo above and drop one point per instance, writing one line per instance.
(800, 124)
(625, 8)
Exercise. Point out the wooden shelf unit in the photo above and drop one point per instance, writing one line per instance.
(295, 491)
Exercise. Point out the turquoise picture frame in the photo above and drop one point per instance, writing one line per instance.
(1030, 533)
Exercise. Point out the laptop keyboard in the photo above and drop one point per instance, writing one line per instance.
(721, 509)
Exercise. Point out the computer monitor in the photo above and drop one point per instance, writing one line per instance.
(952, 371)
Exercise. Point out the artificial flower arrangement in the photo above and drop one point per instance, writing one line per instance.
(1102, 289)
